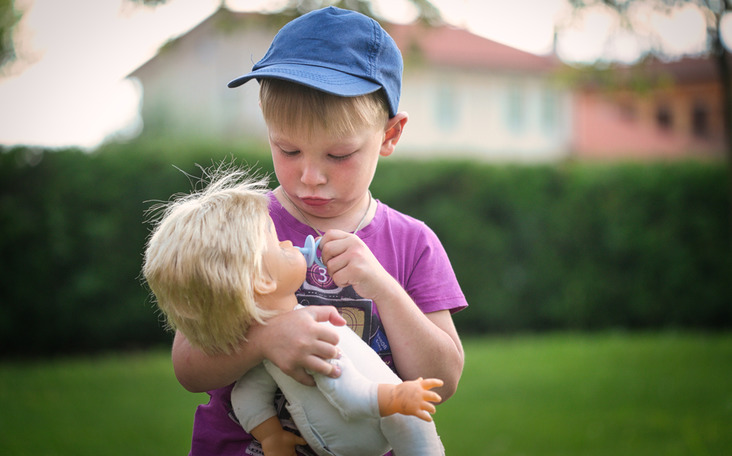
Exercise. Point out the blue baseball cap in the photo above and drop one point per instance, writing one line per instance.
(337, 51)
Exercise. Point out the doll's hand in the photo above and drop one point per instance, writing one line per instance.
(351, 262)
(410, 398)
(307, 348)
(276, 441)
(282, 445)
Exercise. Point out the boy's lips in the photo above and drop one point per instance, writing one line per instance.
(314, 201)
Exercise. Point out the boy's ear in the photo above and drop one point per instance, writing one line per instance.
(264, 284)
(393, 132)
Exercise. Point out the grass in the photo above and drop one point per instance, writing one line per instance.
(607, 394)
(113, 405)
(598, 395)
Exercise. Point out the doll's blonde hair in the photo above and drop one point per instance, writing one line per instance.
(302, 111)
(203, 255)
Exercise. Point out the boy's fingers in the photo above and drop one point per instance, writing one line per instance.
(326, 313)
(302, 377)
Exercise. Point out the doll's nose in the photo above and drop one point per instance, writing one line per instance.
(310, 251)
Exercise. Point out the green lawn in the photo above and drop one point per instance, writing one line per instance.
(607, 394)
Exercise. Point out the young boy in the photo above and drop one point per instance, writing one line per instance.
(216, 266)
(330, 86)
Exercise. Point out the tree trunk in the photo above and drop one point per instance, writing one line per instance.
(725, 78)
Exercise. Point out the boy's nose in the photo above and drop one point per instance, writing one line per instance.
(312, 175)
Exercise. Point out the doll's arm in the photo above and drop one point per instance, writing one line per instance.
(252, 399)
(409, 398)
(352, 394)
(355, 395)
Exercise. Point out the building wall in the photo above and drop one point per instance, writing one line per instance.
(679, 120)
(184, 86)
(509, 116)
(459, 112)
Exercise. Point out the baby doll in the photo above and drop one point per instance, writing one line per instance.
(216, 267)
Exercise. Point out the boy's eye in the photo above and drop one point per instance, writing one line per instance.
(340, 157)
(290, 153)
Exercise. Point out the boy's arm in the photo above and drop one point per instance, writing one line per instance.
(423, 345)
(294, 352)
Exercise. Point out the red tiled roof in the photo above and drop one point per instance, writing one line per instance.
(445, 45)
(687, 69)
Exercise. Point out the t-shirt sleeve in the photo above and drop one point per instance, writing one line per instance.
(432, 283)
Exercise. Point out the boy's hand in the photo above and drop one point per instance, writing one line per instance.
(351, 262)
(296, 342)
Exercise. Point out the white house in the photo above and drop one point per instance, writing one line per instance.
(467, 96)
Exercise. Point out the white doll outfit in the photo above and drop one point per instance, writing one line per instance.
(339, 417)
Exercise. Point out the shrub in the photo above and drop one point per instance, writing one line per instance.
(570, 246)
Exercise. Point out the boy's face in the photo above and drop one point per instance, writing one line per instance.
(283, 263)
(327, 177)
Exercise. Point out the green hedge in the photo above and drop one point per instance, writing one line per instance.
(535, 247)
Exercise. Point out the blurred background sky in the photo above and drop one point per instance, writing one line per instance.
(69, 86)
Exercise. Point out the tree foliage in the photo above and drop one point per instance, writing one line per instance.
(713, 12)
(9, 17)
(426, 11)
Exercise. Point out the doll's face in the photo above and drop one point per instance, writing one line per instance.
(283, 263)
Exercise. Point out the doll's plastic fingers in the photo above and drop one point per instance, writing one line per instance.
(430, 383)
(429, 408)
(422, 415)
(431, 396)
(407, 398)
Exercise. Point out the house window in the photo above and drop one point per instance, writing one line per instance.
(516, 109)
(700, 120)
(549, 112)
(664, 117)
(448, 113)
(628, 111)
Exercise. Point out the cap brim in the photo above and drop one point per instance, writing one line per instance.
(324, 79)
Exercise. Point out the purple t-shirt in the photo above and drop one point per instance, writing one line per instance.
(405, 247)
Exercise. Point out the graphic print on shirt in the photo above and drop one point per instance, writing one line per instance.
(360, 313)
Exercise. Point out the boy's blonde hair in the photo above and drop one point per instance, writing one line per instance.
(301, 110)
(202, 258)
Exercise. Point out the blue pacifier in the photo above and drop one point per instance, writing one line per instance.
(310, 251)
